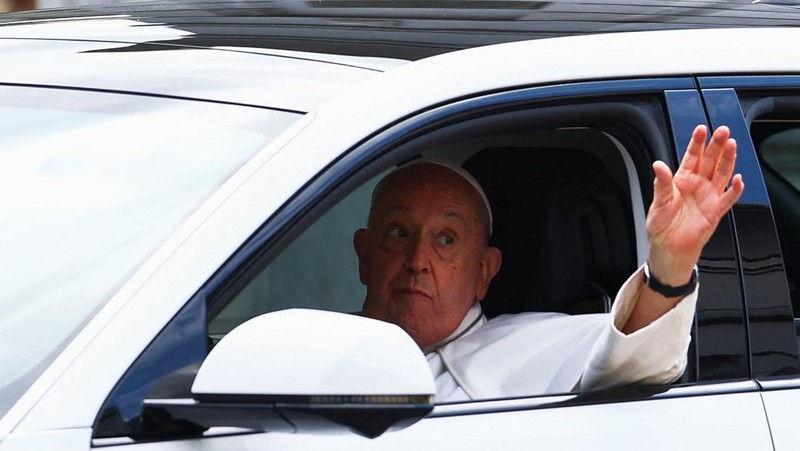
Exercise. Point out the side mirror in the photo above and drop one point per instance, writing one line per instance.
(308, 371)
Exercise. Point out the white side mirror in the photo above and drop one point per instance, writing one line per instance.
(322, 371)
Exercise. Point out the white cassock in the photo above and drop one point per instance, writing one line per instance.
(534, 353)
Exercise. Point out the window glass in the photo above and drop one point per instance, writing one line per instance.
(92, 183)
(317, 270)
(778, 146)
(779, 151)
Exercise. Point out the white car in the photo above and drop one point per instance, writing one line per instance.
(180, 193)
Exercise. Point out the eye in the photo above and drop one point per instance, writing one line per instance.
(447, 240)
(397, 232)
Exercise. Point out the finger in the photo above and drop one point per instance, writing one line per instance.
(694, 150)
(732, 195)
(711, 154)
(662, 184)
(725, 167)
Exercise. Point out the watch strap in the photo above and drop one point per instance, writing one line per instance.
(668, 290)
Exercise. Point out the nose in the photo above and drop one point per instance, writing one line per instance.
(418, 258)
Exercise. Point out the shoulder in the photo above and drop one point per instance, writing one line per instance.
(536, 327)
(555, 319)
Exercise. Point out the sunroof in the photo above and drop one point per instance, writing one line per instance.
(778, 2)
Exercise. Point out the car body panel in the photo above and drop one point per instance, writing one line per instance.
(627, 425)
(289, 83)
(66, 439)
(781, 406)
(61, 407)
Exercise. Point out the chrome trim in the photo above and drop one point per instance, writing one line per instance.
(625, 394)
(780, 384)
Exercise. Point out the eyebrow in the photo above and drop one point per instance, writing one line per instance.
(448, 214)
(458, 216)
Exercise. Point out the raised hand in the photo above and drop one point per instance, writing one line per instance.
(688, 206)
(686, 209)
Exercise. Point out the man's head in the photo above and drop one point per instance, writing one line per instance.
(424, 256)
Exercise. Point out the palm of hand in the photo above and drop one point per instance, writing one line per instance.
(687, 208)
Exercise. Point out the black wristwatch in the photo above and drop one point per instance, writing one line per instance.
(668, 290)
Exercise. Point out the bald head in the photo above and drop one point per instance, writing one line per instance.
(444, 174)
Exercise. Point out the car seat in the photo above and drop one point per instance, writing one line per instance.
(564, 225)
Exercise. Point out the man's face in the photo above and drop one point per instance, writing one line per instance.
(424, 257)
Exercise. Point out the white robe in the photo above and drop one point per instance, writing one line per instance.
(535, 353)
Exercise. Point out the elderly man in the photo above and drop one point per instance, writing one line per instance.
(426, 262)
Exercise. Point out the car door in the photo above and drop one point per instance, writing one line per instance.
(765, 112)
(285, 222)
(636, 134)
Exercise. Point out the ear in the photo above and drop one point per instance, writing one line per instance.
(490, 264)
(360, 239)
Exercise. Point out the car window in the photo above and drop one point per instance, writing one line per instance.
(779, 152)
(566, 172)
(317, 270)
(778, 146)
(569, 218)
(92, 183)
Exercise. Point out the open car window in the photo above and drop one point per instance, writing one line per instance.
(567, 221)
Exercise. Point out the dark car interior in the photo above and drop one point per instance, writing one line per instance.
(564, 226)
(776, 142)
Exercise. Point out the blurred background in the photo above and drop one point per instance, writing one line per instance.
(21, 5)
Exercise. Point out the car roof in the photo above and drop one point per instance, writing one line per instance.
(293, 82)
(295, 55)
(415, 29)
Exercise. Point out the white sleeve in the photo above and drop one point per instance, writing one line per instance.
(655, 354)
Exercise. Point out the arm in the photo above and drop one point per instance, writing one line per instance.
(685, 212)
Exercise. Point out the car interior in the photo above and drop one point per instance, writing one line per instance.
(564, 225)
(776, 138)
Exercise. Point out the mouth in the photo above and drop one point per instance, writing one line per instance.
(412, 293)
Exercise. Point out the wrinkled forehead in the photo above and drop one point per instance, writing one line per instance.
(445, 174)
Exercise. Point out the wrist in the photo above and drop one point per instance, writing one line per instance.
(671, 269)
(667, 289)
